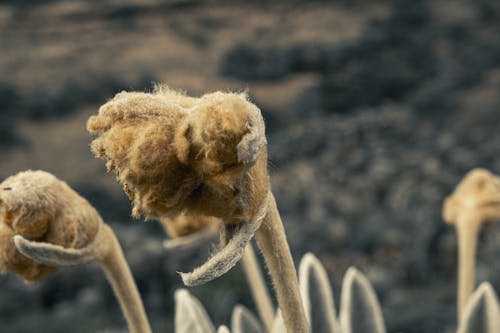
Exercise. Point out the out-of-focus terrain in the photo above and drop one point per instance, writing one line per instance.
(374, 112)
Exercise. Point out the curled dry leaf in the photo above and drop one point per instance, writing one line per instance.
(230, 254)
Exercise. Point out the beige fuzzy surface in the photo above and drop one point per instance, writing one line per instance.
(38, 206)
(174, 153)
(479, 191)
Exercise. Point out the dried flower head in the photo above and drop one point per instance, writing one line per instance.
(45, 225)
(39, 207)
(174, 153)
(479, 191)
(201, 156)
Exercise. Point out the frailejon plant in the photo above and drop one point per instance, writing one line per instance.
(475, 201)
(202, 156)
(45, 225)
(199, 163)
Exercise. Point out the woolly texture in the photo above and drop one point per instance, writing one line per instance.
(272, 241)
(173, 153)
(38, 206)
(228, 256)
(203, 156)
(184, 225)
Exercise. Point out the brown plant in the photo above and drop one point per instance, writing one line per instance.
(45, 225)
(203, 156)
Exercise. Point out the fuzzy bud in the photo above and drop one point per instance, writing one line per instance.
(174, 153)
(39, 207)
(479, 191)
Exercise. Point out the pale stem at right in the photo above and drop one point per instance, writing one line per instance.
(467, 228)
(258, 286)
(271, 239)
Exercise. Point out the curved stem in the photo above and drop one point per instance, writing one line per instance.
(258, 286)
(119, 276)
(271, 239)
(467, 231)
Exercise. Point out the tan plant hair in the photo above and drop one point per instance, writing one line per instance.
(205, 156)
(185, 225)
(46, 225)
(158, 162)
(475, 201)
(39, 207)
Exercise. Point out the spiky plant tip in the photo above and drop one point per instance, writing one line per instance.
(317, 295)
(243, 321)
(360, 310)
(190, 315)
(482, 312)
(223, 329)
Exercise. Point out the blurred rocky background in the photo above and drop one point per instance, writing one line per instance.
(374, 112)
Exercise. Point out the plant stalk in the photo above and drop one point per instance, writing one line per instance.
(467, 232)
(258, 286)
(272, 241)
(120, 277)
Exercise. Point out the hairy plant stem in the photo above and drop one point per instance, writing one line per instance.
(119, 276)
(257, 284)
(467, 228)
(271, 239)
